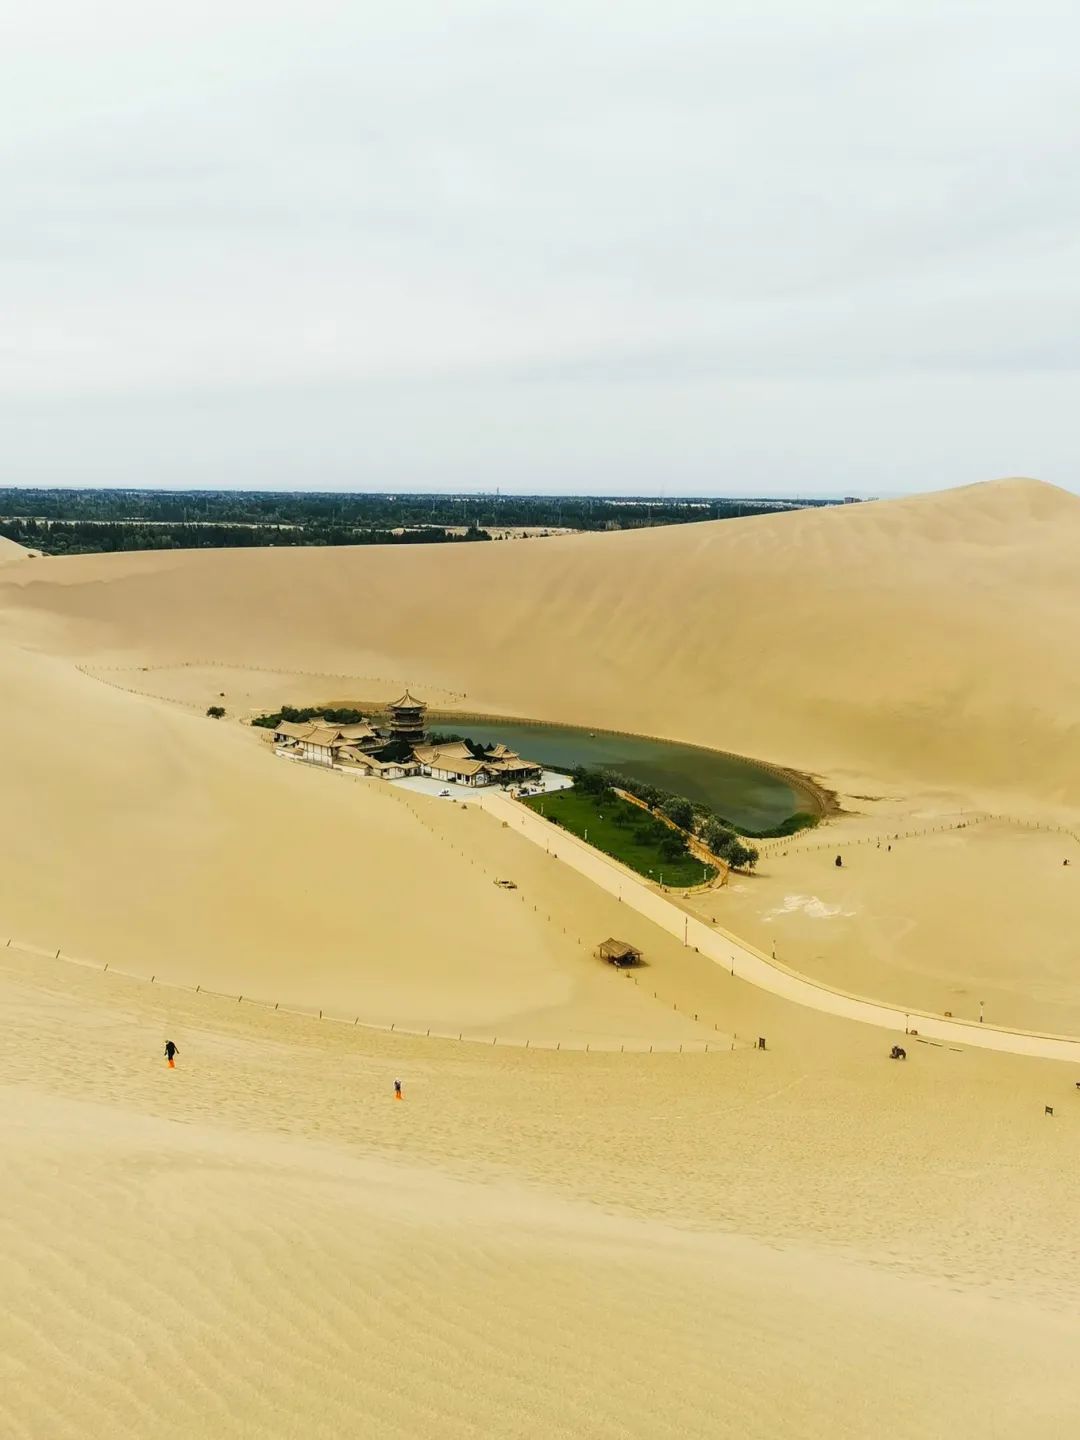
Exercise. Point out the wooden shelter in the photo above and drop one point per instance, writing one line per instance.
(618, 952)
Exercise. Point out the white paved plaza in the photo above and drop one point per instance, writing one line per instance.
(424, 785)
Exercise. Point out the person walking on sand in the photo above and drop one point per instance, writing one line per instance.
(397, 1090)
(170, 1051)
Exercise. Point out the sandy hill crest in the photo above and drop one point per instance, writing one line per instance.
(981, 510)
(1016, 500)
(10, 552)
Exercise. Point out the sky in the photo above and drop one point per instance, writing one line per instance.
(778, 247)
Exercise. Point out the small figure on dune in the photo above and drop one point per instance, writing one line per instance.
(839, 861)
(897, 1053)
(397, 1090)
(170, 1052)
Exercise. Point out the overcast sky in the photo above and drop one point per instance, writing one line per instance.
(772, 247)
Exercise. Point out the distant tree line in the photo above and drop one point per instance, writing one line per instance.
(80, 537)
(65, 521)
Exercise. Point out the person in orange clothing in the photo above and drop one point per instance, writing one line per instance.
(397, 1090)
(170, 1051)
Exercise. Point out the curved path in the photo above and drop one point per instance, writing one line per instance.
(750, 964)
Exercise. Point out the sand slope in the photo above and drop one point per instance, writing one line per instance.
(170, 844)
(262, 1243)
(925, 641)
(10, 551)
(939, 922)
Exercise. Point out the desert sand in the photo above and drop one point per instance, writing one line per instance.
(10, 551)
(958, 913)
(930, 639)
(808, 1241)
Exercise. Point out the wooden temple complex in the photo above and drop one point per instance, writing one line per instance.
(402, 749)
(464, 763)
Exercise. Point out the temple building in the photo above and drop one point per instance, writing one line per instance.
(464, 763)
(385, 768)
(404, 751)
(321, 742)
(407, 719)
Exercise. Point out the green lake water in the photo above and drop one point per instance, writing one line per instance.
(737, 789)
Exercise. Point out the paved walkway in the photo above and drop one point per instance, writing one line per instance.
(750, 964)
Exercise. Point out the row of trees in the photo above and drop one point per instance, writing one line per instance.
(384, 511)
(81, 537)
(715, 833)
(344, 715)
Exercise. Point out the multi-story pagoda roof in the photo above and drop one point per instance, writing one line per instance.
(407, 702)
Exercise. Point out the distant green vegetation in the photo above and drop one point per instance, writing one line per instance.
(625, 832)
(716, 833)
(343, 716)
(688, 814)
(84, 537)
(801, 820)
(69, 522)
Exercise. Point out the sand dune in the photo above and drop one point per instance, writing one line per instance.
(564, 1245)
(804, 1242)
(924, 641)
(132, 812)
(168, 844)
(10, 551)
(941, 921)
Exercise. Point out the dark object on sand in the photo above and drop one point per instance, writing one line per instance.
(839, 861)
(897, 1053)
(618, 953)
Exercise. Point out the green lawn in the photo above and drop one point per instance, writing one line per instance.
(595, 819)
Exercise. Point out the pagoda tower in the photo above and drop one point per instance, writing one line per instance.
(407, 720)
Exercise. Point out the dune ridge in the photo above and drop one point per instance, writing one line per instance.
(10, 551)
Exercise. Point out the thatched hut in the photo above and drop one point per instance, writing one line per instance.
(618, 953)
